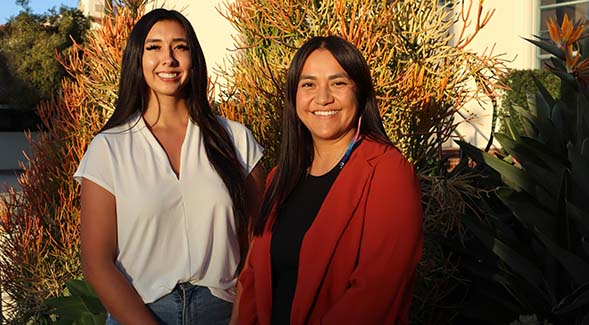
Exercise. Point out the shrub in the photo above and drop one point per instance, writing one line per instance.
(421, 80)
(520, 92)
(533, 259)
(40, 251)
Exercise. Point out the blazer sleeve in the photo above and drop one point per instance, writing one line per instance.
(247, 313)
(381, 286)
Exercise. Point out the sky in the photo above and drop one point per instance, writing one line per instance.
(9, 8)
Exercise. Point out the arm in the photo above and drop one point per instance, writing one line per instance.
(255, 189)
(98, 227)
(380, 288)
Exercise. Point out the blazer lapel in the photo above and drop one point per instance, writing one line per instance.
(322, 237)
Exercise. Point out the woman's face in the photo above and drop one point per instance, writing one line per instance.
(166, 58)
(326, 98)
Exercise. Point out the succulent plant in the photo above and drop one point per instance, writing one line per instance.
(535, 255)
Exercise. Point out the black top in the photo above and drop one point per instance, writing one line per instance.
(290, 227)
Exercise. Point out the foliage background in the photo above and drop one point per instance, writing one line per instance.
(423, 73)
(40, 249)
(521, 92)
(421, 76)
(529, 260)
(28, 65)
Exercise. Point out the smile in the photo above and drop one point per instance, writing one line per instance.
(167, 75)
(325, 113)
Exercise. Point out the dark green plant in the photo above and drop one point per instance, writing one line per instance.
(78, 305)
(521, 90)
(532, 258)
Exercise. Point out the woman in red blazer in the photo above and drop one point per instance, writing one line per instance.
(340, 231)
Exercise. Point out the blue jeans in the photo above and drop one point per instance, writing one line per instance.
(188, 304)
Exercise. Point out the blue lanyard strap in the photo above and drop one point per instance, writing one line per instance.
(348, 152)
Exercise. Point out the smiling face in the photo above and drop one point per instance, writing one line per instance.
(166, 60)
(326, 98)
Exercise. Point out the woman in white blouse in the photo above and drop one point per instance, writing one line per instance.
(167, 187)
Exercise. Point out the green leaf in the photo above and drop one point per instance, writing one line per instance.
(91, 319)
(528, 121)
(70, 308)
(580, 217)
(79, 287)
(557, 65)
(93, 304)
(518, 263)
(543, 91)
(529, 212)
(550, 48)
(513, 130)
(585, 245)
(582, 117)
(550, 158)
(507, 281)
(577, 299)
(511, 175)
(585, 147)
(579, 170)
(540, 165)
(547, 132)
(573, 264)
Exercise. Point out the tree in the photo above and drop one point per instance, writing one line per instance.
(28, 52)
(23, 3)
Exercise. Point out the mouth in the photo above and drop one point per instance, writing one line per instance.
(325, 113)
(168, 75)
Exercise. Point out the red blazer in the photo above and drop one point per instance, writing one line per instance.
(357, 261)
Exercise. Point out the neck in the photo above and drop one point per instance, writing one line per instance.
(326, 154)
(165, 112)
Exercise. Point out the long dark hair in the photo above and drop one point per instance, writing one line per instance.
(133, 94)
(296, 149)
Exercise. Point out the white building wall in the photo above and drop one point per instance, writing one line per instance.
(512, 20)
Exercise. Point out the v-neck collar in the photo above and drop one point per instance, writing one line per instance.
(146, 131)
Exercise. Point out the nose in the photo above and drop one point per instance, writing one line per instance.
(169, 58)
(323, 96)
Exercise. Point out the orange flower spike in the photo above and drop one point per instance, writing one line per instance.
(553, 29)
(570, 32)
(566, 29)
(577, 31)
(581, 71)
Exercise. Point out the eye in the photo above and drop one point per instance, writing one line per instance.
(340, 82)
(182, 47)
(306, 84)
(152, 47)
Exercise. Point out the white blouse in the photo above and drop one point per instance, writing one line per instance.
(169, 229)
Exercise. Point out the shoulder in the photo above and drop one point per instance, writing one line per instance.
(390, 168)
(379, 154)
(131, 126)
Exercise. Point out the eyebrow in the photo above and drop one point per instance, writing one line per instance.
(157, 40)
(331, 77)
